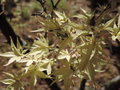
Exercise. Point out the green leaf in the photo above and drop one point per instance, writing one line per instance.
(41, 74)
(64, 73)
(51, 24)
(91, 72)
(65, 42)
(77, 26)
(33, 79)
(8, 74)
(39, 30)
(85, 13)
(8, 81)
(61, 17)
(13, 82)
(86, 52)
(64, 54)
(80, 16)
(41, 43)
(13, 59)
(109, 23)
(47, 64)
(7, 54)
(49, 69)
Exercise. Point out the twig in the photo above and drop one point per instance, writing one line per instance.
(55, 5)
(42, 2)
(52, 3)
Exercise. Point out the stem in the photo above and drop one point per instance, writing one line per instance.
(52, 3)
(55, 5)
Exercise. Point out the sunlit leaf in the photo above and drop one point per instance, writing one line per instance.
(7, 54)
(91, 71)
(8, 81)
(65, 73)
(109, 23)
(64, 55)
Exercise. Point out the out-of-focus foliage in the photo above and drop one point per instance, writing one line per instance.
(35, 6)
(25, 13)
(2, 1)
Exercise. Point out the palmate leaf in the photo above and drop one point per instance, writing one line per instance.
(12, 56)
(94, 61)
(64, 73)
(18, 85)
(13, 82)
(48, 65)
(15, 49)
(29, 60)
(51, 24)
(32, 58)
(35, 75)
(114, 37)
(35, 72)
(64, 54)
(62, 18)
(65, 42)
(41, 43)
(60, 15)
(8, 81)
(86, 52)
(16, 55)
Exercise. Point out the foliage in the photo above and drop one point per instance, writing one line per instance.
(63, 49)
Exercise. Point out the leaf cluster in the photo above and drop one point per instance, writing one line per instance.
(64, 49)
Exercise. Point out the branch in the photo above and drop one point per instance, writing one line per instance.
(52, 3)
(82, 86)
(7, 29)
